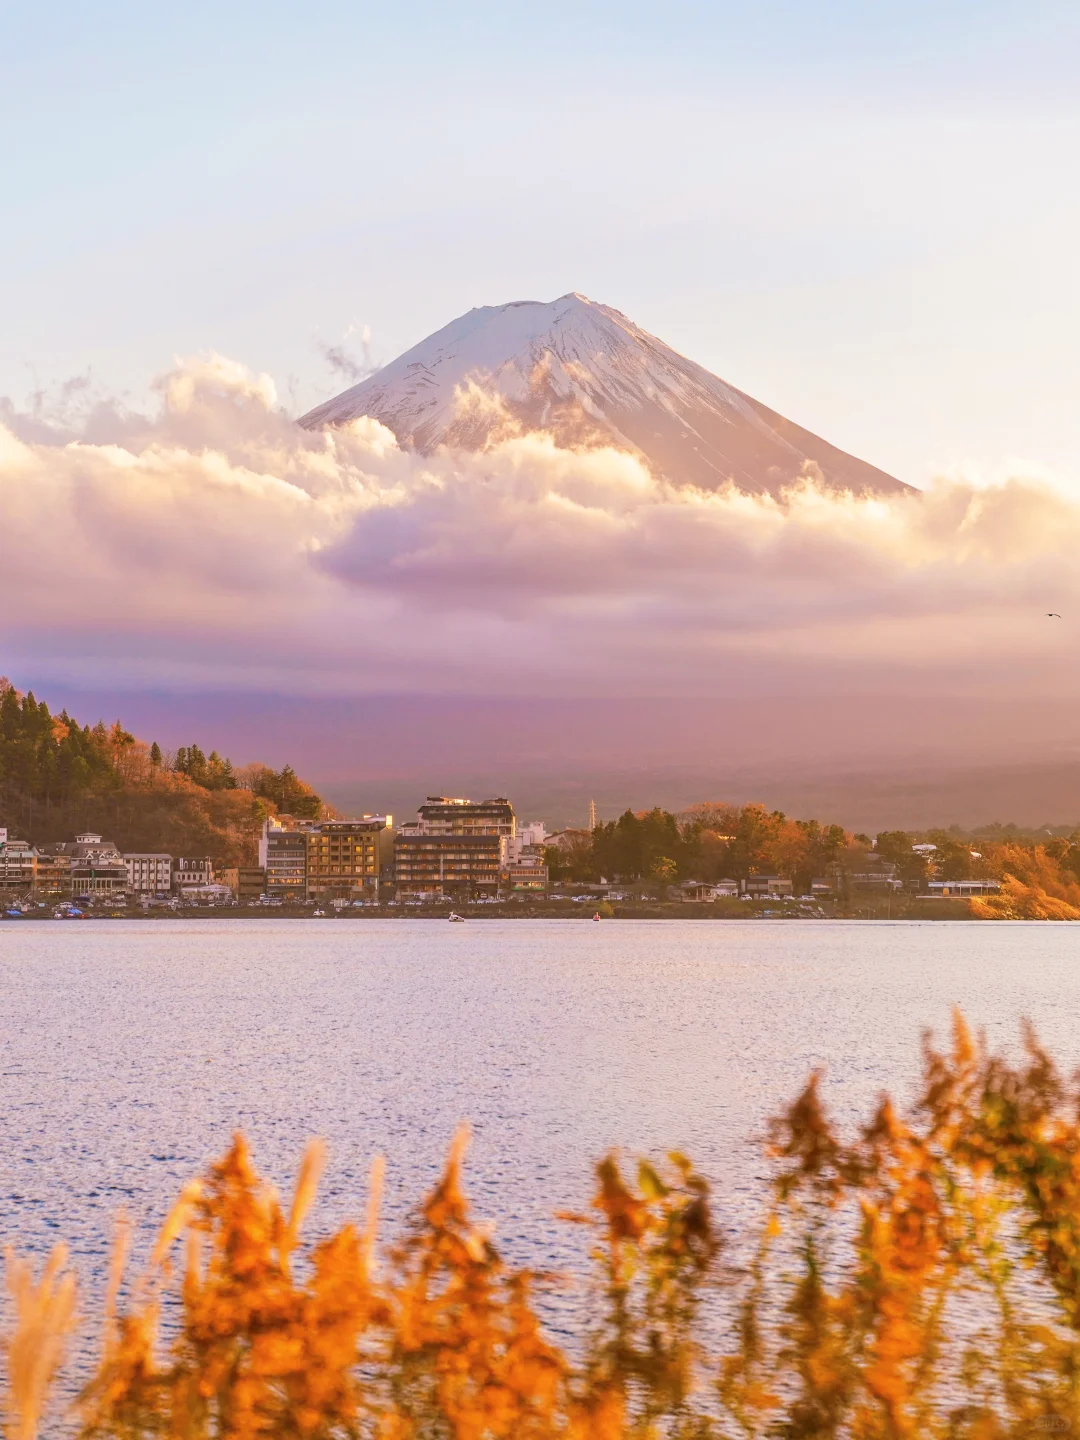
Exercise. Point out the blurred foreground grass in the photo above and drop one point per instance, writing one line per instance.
(921, 1279)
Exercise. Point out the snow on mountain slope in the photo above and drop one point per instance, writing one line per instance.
(589, 376)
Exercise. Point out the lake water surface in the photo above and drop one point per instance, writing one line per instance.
(131, 1051)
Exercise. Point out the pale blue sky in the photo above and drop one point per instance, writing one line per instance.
(865, 214)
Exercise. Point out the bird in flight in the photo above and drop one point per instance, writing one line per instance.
(1052, 615)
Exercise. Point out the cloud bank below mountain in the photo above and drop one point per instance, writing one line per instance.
(217, 544)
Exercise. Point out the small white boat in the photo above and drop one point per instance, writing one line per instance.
(454, 917)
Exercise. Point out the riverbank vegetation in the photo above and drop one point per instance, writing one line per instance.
(58, 777)
(918, 1278)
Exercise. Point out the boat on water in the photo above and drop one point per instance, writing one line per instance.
(455, 918)
(597, 915)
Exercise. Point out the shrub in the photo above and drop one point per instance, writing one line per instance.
(1017, 901)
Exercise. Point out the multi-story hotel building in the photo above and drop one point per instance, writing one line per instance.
(462, 866)
(97, 867)
(283, 857)
(456, 848)
(440, 815)
(347, 859)
(18, 865)
(54, 869)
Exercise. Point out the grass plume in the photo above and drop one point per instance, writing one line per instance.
(918, 1279)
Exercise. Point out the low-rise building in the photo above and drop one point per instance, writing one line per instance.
(212, 894)
(771, 885)
(148, 873)
(874, 875)
(693, 892)
(526, 874)
(191, 872)
(959, 889)
(250, 883)
(703, 891)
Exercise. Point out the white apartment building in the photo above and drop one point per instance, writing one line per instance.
(149, 874)
(522, 858)
(527, 839)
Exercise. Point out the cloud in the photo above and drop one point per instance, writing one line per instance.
(217, 543)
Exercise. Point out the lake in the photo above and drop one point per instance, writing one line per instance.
(132, 1050)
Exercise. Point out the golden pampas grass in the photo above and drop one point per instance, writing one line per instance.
(847, 1317)
(44, 1317)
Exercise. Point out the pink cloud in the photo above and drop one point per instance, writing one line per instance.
(217, 543)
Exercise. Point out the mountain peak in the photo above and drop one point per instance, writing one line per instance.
(587, 375)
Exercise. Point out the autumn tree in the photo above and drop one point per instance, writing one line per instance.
(58, 777)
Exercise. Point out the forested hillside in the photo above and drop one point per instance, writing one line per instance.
(58, 777)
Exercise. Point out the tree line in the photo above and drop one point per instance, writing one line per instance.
(715, 841)
(709, 842)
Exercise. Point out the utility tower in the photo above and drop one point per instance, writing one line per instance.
(592, 815)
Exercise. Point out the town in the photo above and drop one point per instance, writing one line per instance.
(456, 851)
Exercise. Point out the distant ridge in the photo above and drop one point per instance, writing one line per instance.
(589, 376)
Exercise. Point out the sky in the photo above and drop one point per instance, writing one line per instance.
(863, 215)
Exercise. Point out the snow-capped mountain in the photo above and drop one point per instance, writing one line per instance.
(589, 376)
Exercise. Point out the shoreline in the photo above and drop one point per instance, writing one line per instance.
(872, 909)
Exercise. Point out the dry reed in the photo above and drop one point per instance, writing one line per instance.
(922, 1279)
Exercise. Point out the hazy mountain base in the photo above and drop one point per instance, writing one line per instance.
(872, 762)
(895, 793)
